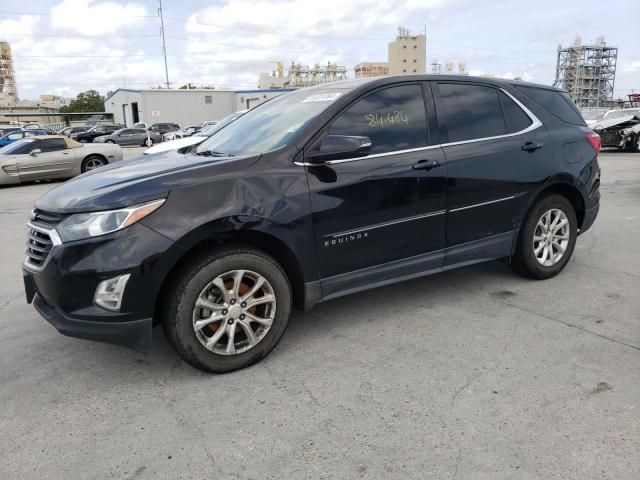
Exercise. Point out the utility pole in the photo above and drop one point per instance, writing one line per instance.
(164, 45)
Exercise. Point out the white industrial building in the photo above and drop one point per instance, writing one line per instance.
(185, 107)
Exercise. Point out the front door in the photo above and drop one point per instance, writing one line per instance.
(53, 160)
(374, 212)
(495, 157)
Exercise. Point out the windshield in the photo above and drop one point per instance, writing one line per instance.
(16, 147)
(621, 113)
(269, 125)
(211, 129)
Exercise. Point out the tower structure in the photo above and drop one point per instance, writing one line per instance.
(8, 85)
(587, 72)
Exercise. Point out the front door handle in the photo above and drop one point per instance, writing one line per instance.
(531, 146)
(426, 165)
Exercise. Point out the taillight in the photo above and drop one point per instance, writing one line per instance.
(594, 140)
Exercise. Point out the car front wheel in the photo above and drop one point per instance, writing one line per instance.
(228, 310)
(547, 238)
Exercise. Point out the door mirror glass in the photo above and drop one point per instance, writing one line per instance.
(35, 152)
(336, 147)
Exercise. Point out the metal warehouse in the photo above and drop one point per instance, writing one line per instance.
(182, 106)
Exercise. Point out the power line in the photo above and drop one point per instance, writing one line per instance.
(240, 47)
(90, 56)
(295, 35)
(270, 32)
(55, 35)
(40, 14)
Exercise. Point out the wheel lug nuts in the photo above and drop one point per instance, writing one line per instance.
(224, 312)
(232, 302)
(242, 317)
(230, 321)
(243, 304)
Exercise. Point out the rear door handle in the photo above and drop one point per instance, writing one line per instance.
(531, 146)
(426, 165)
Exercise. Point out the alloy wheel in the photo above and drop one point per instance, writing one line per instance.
(93, 163)
(234, 312)
(551, 237)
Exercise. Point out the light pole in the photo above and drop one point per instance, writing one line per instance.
(164, 45)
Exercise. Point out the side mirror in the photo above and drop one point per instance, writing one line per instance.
(337, 147)
(35, 152)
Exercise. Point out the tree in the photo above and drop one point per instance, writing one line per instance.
(89, 101)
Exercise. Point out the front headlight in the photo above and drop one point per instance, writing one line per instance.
(94, 224)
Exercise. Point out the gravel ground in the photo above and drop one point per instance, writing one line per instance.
(474, 373)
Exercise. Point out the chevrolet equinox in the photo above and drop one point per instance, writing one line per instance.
(316, 194)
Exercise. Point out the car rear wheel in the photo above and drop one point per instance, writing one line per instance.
(228, 310)
(547, 238)
(84, 140)
(148, 142)
(92, 162)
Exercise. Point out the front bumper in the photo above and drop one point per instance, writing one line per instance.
(134, 334)
(62, 290)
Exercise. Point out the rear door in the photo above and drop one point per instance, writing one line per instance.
(54, 160)
(379, 210)
(493, 145)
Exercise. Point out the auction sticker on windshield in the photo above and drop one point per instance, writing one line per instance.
(322, 97)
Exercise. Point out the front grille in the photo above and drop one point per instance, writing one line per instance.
(610, 138)
(39, 241)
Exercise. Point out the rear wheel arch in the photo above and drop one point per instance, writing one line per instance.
(568, 191)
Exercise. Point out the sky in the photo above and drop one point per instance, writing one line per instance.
(64, 47)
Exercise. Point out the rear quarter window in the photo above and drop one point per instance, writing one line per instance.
(514, 117)
(557, 103)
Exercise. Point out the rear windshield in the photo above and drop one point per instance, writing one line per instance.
(558, 103)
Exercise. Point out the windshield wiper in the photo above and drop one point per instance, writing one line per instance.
(212, 153)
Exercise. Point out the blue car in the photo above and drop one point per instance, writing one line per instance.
(20, 134)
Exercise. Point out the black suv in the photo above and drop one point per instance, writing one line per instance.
(94, 132)
(313, 195)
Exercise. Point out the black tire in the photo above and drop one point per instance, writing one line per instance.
(177, 312)
(90, 158)
(635, 143)
(524, 261)
(83, 140)
(148, 143)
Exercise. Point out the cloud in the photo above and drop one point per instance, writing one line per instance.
(90, 17)
(526, 76)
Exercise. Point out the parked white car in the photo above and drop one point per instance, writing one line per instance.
(198, 137)
(46, 157)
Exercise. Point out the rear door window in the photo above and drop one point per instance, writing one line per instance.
(514, 117)
(471, 111)
(558, 103)
(393, 118)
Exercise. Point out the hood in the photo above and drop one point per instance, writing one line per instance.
(620, 122)
(136, 180)
(174, 144)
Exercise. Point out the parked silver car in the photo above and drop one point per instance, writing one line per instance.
(46, 157)
(131, 136)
